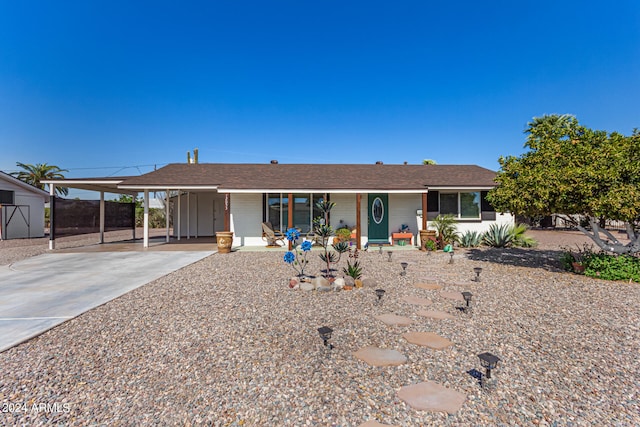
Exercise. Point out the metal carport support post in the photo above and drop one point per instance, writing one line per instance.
(145, 225)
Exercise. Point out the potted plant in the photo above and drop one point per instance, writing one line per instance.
(342, 235)
(426, 236)
(224, 240)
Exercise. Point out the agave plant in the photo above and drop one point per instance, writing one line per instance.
(470, 239)
(354, 270)
(498, 236)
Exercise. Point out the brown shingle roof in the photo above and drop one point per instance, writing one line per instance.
(245, 176)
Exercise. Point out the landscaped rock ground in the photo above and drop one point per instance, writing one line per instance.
(226, 342)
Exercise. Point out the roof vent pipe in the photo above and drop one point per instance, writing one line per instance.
(379, 163)
(274, 162)
(195, 155)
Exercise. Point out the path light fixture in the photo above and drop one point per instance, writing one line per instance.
(404, 266)
(477, 270)
(467, 297)
(380, 294)
(325, 334)
(390, 253)
(489, 362)
(380, 249)
(451, 257)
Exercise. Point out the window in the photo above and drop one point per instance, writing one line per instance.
(304, 210)
(461, 205)
(7, 197)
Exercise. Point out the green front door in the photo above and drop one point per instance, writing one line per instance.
(378, 216)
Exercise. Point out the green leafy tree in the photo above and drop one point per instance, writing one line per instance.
(34, 174)
(572, 170)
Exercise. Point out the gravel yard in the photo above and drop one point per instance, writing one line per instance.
(224, 342)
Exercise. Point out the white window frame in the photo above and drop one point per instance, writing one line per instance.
(459, 210)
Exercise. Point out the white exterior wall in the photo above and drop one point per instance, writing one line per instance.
(18, 228)
(201, 214)
(246, 219)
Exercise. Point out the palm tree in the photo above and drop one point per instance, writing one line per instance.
(33, 174)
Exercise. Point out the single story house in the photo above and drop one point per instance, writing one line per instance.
(374, 199)
(21, 209)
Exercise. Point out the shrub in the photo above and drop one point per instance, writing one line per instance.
(612, 267)
(446, 228)
(471, 239)
(430, 245)
(520, 239)
(342, 235)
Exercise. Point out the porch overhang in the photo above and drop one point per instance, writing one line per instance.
(105, 185)
(322, 190)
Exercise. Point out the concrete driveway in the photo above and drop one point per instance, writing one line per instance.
(41, 292)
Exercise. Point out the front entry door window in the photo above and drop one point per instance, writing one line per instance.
(378, 214)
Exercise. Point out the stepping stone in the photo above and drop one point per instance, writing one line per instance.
(427, 339)
(456, 296)
(428, 286)
(380, 356)
(394, 319)
(431, 396)
(416, 300)
(429, 279)
(435, 314)
(373, 423)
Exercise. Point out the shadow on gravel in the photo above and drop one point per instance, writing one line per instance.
(518, 257)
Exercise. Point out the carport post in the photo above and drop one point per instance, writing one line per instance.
(145, 224)
(179, 198)
(101, 217)
(52, 204)
(167, 214)
(188, 215)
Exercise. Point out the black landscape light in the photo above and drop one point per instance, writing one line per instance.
(451, 255)
(325, 334)
(477, 270)
(488, 361)
(467, 297)
(404, 266)
(380, 294)
(390, 253)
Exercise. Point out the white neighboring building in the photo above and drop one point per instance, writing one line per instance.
(21, 209)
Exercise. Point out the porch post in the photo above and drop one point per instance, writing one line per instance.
(167, 214)
(174, 225)
(290, 215)
(227, 212)
(101, 240)
(135, 197)
(145, 221)
(358, 222)
(424, 211)
(52, 205)
(188, 215)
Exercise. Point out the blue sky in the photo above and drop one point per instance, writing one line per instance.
(114, 88)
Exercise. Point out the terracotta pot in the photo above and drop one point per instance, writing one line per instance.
(347, 287)
(426, 235)
(577, 267)
(224, 239)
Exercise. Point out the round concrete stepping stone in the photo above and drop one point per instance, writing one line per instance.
(394, 319)
(375, 356)
(456, 296)
(428, 286)
(435, 314)
(416, 300)
(373, 423)
(427, 339)
(431, 396)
